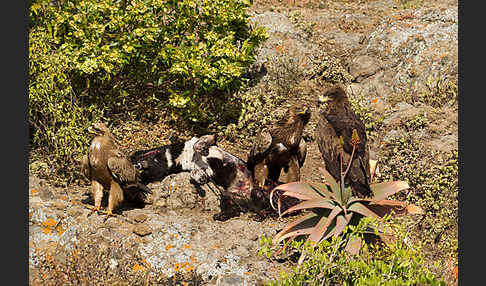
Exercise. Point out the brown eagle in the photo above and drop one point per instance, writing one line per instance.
(280, 146)
(335, 129)
(108, 168)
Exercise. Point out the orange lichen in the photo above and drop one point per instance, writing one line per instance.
(30, 215)
(138, 267)
(374, 100)
(187, 246)
(168, 246)
(193, 259)
(190, 268)
(247, 273)
(33, 191)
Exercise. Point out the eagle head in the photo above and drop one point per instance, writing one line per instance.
(300, 112)
(334, 94)
(98, 129)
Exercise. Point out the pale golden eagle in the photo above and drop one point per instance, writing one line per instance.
(334, 129)
(108, 168)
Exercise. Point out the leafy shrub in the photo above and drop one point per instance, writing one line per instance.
(433, 180)
(94, 59)
(392, 263)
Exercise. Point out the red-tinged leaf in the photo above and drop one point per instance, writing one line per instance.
(323, 224)
(383, 190)
(354, 245)
(296, 233)
(308, 220)
(357, 199)
(325, 204)
(299, 188)
(414, 209)
(299, 196)
(322, 189)
(341, 222)
(363, 210)
(385, 207)
(330, 179)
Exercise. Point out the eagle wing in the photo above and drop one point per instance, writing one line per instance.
(85, 167)
(328, 142)
(302, 153)
(262, 143)
(343, 125)
(122, 169)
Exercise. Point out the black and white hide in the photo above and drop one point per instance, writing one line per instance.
(157, 163)
(235, 184)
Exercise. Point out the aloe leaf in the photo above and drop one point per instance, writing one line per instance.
(383, 190)
(295, 233)
(341, 222)
(332, 182)
(322, 189)
(320, 203)
(363, 210)
(323, 224)
(358, 199)
(299, 189)
(384, 207)
(309, 219)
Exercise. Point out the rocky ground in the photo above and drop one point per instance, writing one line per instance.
(399, 60)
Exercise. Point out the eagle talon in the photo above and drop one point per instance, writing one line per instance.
(95, 209)
(108, 214)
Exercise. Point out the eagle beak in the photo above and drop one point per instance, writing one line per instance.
(90, 130)
(305, 112)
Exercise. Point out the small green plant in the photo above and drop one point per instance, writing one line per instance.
(418, 122)
(397, 262)
(332, 205)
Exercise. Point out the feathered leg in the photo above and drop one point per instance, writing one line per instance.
(293, 174)
(261, 174)
(97, 193)
(114, 199)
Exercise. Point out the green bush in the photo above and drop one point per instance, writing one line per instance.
(433, 180)
(393, 263)
(90, 60)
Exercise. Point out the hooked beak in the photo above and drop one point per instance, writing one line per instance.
(305, 112)
(89, 130)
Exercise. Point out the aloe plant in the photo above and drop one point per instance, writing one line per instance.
(332, 206)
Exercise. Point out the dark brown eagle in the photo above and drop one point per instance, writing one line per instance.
(338, 121)
(280, 146)
(108, 168)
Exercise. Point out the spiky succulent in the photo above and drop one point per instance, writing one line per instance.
(332, 207)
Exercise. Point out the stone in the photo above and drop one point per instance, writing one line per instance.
(140, 217)
(364, 66)
(142, 230)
